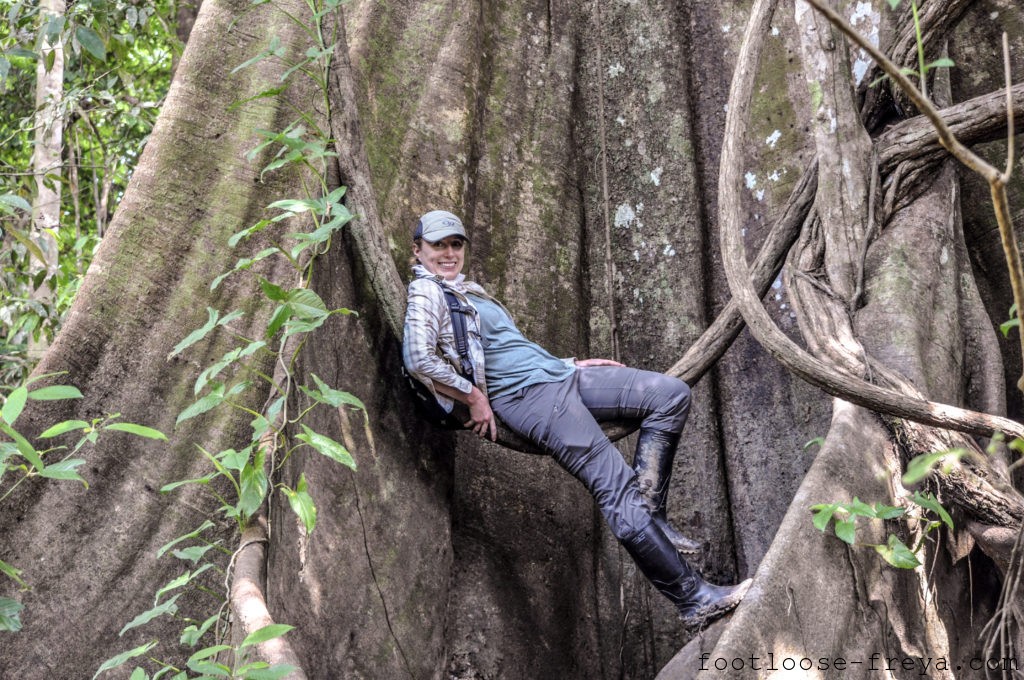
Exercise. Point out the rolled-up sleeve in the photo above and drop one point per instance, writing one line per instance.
(425, 317)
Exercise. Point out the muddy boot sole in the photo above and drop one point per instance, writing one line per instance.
(702, 616)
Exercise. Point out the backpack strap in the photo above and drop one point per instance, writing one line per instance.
(458, 312)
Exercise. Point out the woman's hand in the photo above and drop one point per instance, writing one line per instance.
(583, 363)
(481, 417)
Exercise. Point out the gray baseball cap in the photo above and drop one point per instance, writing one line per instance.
(437, 225)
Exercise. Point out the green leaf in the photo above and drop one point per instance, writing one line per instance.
(26, 449)
(295, 206)
(272, 290)
(207, 652)
(883, 511)
(62, 427)
(1006, 326)
(235, 460)
(822, 514)
(192, 554)
(896, 553)
(260, 426)
(817, 441)
(921, 466)
(275, 672)
(92, 42)
(182, 580)
(274, 630)
(237, 237)
(332, 397)
(14, 405)
(116, 661)
(846, 530)
(944, 62)
(192, 634)
(10, 615)
(281, 315)
(893, 4)
(929, 502)
(860, 508)
(195, 533)
(64, 469)
(12, 572)
(326, 446)
(215, 398)
(14, 202)
(274, 49)
(168, 607)
(302, 504)
(138, 430)
(182, 482)
(306, 304)
(254, 485)
(198, 334)
(55, 392)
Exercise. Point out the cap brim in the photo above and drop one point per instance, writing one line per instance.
(442, 235)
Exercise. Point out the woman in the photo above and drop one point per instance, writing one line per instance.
(556, 403)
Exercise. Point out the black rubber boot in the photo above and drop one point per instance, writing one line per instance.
(652, 463)
(698, 601)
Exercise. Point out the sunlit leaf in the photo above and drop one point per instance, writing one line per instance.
(55, 392)
(326, 446)
(896, 553)
(116, 661)
(195, 533)
(62, 427)
(14, 405)
(821, 516)
(168, 607)
(138, 430)
(274, 630)
(64, 469)
(846, 530)
(302, 503)
(929, 502)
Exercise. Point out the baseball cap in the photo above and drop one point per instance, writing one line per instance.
(437, 225)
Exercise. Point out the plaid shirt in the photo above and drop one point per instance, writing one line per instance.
(428, 348)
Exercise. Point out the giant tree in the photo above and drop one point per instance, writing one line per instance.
(583, 144)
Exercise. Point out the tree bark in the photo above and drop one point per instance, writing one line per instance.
(445, 557)
(89, 554)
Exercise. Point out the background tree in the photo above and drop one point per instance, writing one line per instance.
(81, 89)
(582, 143)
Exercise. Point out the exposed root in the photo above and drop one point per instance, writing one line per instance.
(249, 607)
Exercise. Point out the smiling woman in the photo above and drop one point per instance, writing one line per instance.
(556, 404)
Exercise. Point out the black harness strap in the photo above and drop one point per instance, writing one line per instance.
(458, 313)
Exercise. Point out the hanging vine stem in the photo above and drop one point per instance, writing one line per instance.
(996, 180)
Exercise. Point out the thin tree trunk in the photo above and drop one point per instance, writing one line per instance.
(47, 164)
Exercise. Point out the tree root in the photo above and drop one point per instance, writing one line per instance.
(248, 605)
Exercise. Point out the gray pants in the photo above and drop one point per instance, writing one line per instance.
(562, 417)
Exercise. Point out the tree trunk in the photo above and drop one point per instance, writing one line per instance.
(47, 162)
(582, 144)
(90, 554)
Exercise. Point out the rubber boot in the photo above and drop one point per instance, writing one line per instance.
(698, 601)
(652, 463)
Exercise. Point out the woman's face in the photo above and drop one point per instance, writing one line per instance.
(444, 258)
